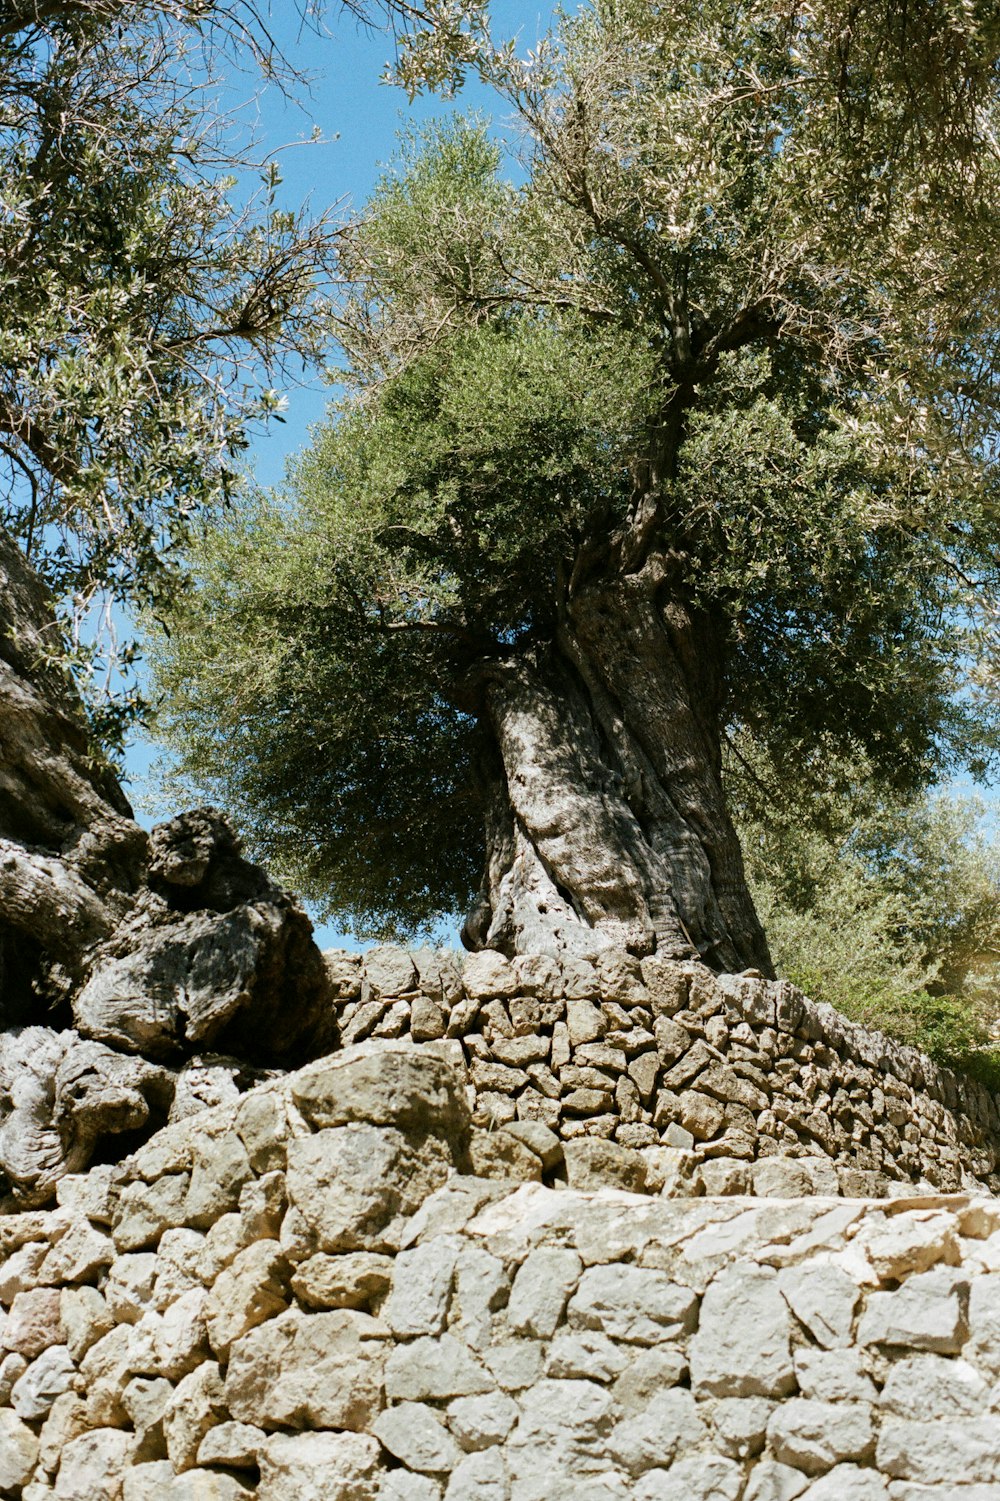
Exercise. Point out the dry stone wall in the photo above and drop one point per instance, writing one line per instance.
(753, 1087)
(309, 1297)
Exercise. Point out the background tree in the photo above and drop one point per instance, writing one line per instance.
(886, 908)
(689, 433)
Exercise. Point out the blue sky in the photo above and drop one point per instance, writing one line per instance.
(359, 118)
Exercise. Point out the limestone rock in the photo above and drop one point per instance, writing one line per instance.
(18, 1450)
(198, 1403)
(541, 1289)
(924, 1314)
(415, 1092)
(480, 1422)
(416, 1435)
(319, 1467)
(356, 1185)
(309, 1370)
(592, 1163)
(814, 1436)
(742, 1347)
(234, 1444)
(421, 1288)
(47, 1377)
(356, 1279)
(823, 1297)
(92, 1467)
(253, 1288)
(430, 1370)
(701, 1477)
(635, 1304)
(34, 1322)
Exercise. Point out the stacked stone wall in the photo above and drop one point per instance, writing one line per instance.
(308, 1297)
(752, 1086)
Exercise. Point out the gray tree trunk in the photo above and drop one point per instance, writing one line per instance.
(608, 823)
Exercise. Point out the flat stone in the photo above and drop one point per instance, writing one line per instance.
(18, 1451)
(430, 1370)
(415, 1434)
(913, 1241)
(814, 1436)
(935, 1453)
(823, 1297)
(541, 1289)
(309, 1370)
(742, 1347)
(480, 1422)
(924, 1314)
(700, 1477)
(635, 1304)
(354, 1280)
(319, 1467)
(592, 1164)
(670, 1425)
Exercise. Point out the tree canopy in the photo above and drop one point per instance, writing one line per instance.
(155, 292)
(730, 346)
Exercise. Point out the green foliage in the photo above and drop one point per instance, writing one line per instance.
(723, 321)
(888, 910)
(152, 289)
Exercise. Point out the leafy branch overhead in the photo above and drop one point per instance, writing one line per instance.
(155, 292)
(687, 432)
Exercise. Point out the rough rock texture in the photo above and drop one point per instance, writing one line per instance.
(162, 945)
(631, 1072)
(482, 1340)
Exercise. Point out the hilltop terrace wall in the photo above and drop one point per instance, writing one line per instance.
(308, 1297)
(751, 1087)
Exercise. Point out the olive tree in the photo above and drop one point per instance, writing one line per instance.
(688, 431)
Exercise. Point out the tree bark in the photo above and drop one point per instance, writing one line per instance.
(607, 822)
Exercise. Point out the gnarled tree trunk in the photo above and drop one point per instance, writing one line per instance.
(608, 822)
